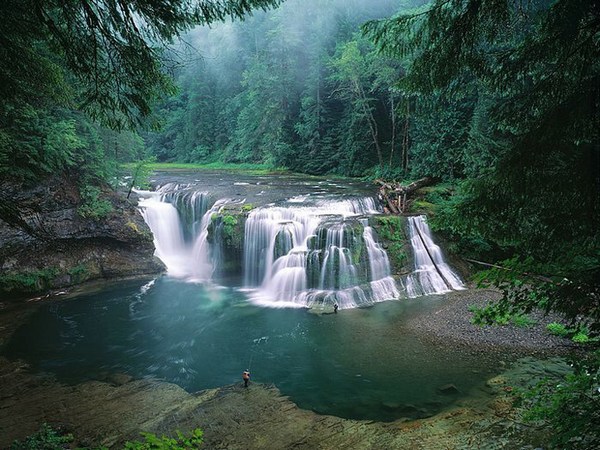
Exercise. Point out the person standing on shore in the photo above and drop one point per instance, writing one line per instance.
(246, 377)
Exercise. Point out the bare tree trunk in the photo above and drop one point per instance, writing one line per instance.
(393, 117)
(371, 120)
(395, 196)
(405, 138)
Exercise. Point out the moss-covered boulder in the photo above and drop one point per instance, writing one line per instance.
(392, 234)
(226, 237)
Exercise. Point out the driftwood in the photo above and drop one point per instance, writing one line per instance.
(394, 196)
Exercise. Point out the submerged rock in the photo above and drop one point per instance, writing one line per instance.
(448, 389)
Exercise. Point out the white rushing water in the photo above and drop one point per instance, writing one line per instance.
(179, 220)
(305, 256)
(300, 253)
(432, 275)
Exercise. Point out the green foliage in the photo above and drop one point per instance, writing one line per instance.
(283, 95)
(390, 230)
(579, 334)
(181, 442)
(524, 290)
(581, 338)
(46, 438)
(117, 78)
(31, 281)
(497, 314)
(78, 273)
(92, 205)
(490, 315)
(140, 174)
(522, 321)
(570, 407)
(507, 98)
(229, 228)
(558, 329)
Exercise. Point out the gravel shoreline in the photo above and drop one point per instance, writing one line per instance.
(451, 323)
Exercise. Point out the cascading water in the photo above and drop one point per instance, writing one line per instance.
(432, 275)
(308, 255)
(179, 217)
(301, 253)
(382, 283)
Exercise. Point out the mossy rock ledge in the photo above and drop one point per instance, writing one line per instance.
(392, 234)
(226, 236)
(47, 243)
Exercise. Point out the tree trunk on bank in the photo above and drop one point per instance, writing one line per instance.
(394, 196)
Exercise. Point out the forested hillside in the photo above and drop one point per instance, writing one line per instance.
(498, 98)
(298, 87)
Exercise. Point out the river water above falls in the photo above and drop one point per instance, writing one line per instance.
(307, 243)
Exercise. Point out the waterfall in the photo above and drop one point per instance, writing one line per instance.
(432, 275)
(308, 251)
(316, 255)
(382, 283)
(179, 217)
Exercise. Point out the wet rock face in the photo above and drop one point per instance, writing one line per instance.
(45, 242)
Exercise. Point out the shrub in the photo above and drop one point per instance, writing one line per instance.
(92, 206)
(569, 405)
(182, 442)
(45, 439)
(558, 329)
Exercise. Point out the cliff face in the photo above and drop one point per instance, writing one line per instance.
(45, 243)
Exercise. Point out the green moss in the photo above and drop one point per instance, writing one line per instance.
(391, 232)
(228, 228)
(133, 226)
(246, 208)
(31, 281)
(78, 273)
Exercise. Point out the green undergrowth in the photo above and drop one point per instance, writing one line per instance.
(49, 438)
(391, 232)
(567, 405)
(40, 280)
(31, 281)
(496, 315)
(578, 334)
(92, 205)
(428, 199)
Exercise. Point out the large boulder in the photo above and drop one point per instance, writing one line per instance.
(48, 239)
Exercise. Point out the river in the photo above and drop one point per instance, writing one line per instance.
(360, 363)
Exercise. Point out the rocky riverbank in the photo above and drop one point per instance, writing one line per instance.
(110, 411)
(450, 321)
(51, 238)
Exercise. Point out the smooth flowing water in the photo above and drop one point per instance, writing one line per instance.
(360, 363)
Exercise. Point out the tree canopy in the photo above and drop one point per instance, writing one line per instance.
(530, 71)
(106, 58)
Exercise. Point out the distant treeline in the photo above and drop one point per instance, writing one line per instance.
(297, 87)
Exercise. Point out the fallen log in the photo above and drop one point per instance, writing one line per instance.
(394, 195)
(414, 185)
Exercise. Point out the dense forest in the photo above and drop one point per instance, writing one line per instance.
(497, 99)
